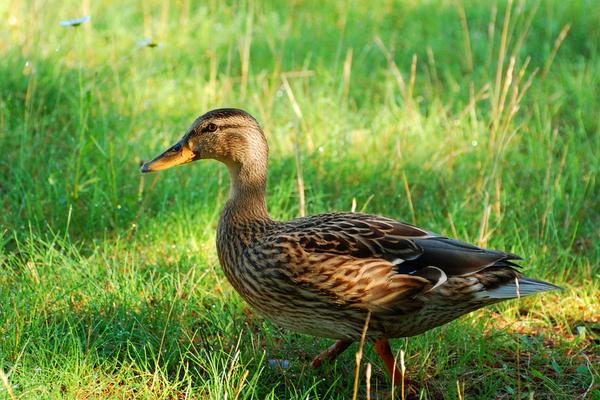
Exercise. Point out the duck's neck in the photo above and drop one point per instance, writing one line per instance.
(247, 194)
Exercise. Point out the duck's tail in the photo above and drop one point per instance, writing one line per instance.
(520, 287)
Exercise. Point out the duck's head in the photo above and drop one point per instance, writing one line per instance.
(229, 135)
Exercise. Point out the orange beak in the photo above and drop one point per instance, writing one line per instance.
(177, 154)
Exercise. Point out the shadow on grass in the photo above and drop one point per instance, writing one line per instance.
(207, 350)
(206, 345)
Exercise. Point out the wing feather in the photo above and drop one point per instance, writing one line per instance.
(370, 262)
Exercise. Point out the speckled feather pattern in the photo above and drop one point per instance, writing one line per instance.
(320, 275)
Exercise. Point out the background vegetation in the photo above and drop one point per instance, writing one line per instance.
(474, 119)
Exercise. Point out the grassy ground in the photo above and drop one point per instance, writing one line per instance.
(473, 119)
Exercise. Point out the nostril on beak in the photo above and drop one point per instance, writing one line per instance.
(177, 147)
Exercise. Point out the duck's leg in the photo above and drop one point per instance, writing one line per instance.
(382, 347)
(331, 353)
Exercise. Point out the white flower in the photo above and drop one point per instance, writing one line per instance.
(76, 21)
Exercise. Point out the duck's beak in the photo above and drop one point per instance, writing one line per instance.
(178, 154)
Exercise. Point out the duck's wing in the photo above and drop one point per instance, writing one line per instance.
(372, 262)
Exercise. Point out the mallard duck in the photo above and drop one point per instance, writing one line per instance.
(324, 275)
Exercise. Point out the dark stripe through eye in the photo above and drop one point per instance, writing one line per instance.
(176, 148)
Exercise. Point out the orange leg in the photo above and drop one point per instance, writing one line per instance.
(331, 353)
(382, 347)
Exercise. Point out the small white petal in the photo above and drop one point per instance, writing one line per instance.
(76, 21)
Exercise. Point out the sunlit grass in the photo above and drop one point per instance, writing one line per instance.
(469, 126)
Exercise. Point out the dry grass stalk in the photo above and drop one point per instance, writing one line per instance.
(394, 69)
(241, 384)
(359, 355)
(466, 36)
(6, 383)
(297, 150)
(368, 378)
(409, 198)
(347, 73)
(245, 47)
(557, 43)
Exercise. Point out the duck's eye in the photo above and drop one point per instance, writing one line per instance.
(211, 127)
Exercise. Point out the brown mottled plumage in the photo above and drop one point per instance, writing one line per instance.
(322, 275)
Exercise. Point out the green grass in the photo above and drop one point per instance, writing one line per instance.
(109, 282)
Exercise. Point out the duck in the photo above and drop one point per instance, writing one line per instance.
(345, 276)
